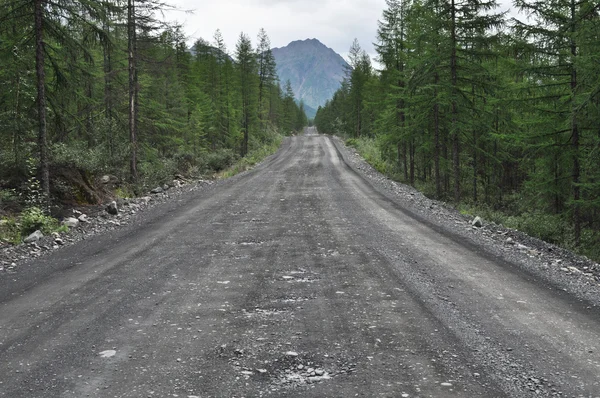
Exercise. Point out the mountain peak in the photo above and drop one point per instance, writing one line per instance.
(314, 70)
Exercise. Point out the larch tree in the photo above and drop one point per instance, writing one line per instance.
(247, 73)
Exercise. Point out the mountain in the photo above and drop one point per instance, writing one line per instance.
(315, 71)
(310, 112)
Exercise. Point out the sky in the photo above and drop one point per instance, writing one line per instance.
(334, 22)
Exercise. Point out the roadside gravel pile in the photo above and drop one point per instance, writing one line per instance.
(86, 222)
(557, 267)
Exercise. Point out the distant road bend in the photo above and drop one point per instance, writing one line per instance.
(297, 279)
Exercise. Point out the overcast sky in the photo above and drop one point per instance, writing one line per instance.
(334, 22)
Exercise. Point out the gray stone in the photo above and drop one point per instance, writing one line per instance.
(157, 190)
(105, 179)
(71, 222)
(59, 241)
(510, 241)
(34, 237)
(165, 187)
(112, 208)
(477, 222)
(83, 218)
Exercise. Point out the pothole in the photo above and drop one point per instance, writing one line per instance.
(296, 370)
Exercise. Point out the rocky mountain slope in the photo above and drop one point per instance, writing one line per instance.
(314, 70)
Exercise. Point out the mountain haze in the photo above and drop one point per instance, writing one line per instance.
(314, 70)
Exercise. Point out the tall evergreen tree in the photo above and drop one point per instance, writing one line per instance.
(246, 63)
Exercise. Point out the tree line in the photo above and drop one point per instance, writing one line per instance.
(104, 87)
(473, 106)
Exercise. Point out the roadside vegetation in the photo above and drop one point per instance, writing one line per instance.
(108, 101)
(498, 116)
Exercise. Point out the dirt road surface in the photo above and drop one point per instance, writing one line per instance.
(297, 279)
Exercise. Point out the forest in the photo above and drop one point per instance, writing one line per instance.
(499, 116)
(92, 89)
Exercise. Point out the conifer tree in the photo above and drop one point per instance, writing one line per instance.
(246, 64)
(266, 75)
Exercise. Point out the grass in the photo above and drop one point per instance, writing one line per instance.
(252, 158)
(15, 229)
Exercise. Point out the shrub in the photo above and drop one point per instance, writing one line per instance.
(352, 142)
(9, 230)
(548, 227)
(33, 218)
(78, 155)
(156, 172)
(220, 160)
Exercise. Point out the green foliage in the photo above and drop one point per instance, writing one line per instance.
(352, 142)
(193, 113)
(155, 171)
(255, 156)
(10, 230)
(79, 156)
(369, 149)
(220, 160)
(32, 191)
(34, 218)
(497, 116)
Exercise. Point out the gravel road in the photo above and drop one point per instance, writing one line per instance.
(308, 276)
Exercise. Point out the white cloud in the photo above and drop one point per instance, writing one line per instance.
(334, 22)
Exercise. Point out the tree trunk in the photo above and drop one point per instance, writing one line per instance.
(454, 80)
(41, 98)
(411, 151)
(436, 150)
(404, 161)
(133, 88)
(575, 132)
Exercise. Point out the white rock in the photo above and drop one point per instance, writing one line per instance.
(291, 354)
(83, 218)
(34, 237)
(477, 222)
(71, 222)
(107, 353)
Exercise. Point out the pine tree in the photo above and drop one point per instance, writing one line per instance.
(266, 75)
(246, 64)
(561, 32)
